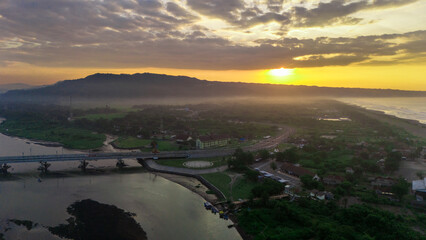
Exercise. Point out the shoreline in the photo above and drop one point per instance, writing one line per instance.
(412, 126)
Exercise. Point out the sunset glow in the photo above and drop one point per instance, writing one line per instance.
(281, 72)
(353, 43)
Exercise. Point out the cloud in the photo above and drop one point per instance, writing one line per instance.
(338, 11)
(118, 34)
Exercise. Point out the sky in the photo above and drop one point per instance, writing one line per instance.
(337, 43)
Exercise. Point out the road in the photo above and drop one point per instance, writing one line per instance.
(266, 166)
(264, 144)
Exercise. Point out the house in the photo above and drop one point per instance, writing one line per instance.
(321, 195)
(203, 142)
(182, 138)
(349, 170)
(419, 189)
(333, 180)
(383, 186)
(383, 182)
(316, 178)
(295, 170)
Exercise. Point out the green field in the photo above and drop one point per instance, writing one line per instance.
(132, 142)
(73, 138)
(107, 116)
(217, 162)
(241, 188)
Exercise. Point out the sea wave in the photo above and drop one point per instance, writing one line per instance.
(408, 108)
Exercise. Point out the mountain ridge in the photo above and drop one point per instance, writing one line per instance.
(150, 85)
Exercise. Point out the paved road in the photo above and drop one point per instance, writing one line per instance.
(154, 165)
(266, 166)
(264, 144)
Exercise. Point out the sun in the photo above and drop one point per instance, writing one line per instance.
(281, 72)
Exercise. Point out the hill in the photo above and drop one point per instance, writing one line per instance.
(12, 86)
(154, 86)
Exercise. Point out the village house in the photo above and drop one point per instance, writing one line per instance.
(349, 170)
(419, 189)
(383, 182)
(295, 170)
(203, 142)
(333, 180)
(383, 186)
(182, 138)
(321, 195)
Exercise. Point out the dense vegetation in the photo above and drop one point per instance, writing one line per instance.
(94, 220)
(309, 219)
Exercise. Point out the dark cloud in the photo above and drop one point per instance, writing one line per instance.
(225, 9)
(337, 11)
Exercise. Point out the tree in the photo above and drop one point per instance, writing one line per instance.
(308, 182)
(392, 161)
(273, 165)
(400, 188)
(252, 175)
(240, 159)
(280, 156)
(264, 154)
(291, 155)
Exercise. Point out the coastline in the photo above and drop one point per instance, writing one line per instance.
(412, 126)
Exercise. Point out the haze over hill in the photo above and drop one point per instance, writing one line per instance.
(158, 86)
(13, 86)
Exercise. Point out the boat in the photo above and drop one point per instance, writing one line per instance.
(207, 205)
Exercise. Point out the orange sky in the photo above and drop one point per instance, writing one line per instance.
(350, 43)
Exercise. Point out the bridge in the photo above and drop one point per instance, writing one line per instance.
(84, 157)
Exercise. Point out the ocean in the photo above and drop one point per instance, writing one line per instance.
(409, 108)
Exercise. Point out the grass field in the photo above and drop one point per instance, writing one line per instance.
(217, 162)
(132, 142)
(241, 188)
(107, 116)
(72, 138)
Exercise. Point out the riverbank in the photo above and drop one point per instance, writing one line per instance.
(191, 184)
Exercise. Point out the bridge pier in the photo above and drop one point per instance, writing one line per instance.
(43, 166)
(83, 165)
(120, 163)
(4, 168)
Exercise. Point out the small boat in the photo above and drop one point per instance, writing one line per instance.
(214, 210)
(207, 205)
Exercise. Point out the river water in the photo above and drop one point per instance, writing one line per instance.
(164, 209)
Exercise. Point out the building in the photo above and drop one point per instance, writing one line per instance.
(333, 180)
(295, 170)
(183, 138)
(203, 142)
(349, 170)
(383, 186)
(419, 189)
(383, 182)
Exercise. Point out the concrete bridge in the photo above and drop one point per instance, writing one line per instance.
(84, 157)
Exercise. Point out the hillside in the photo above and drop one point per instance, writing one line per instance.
(12, 86)
(147, 85)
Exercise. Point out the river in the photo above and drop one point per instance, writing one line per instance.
(164, 209)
